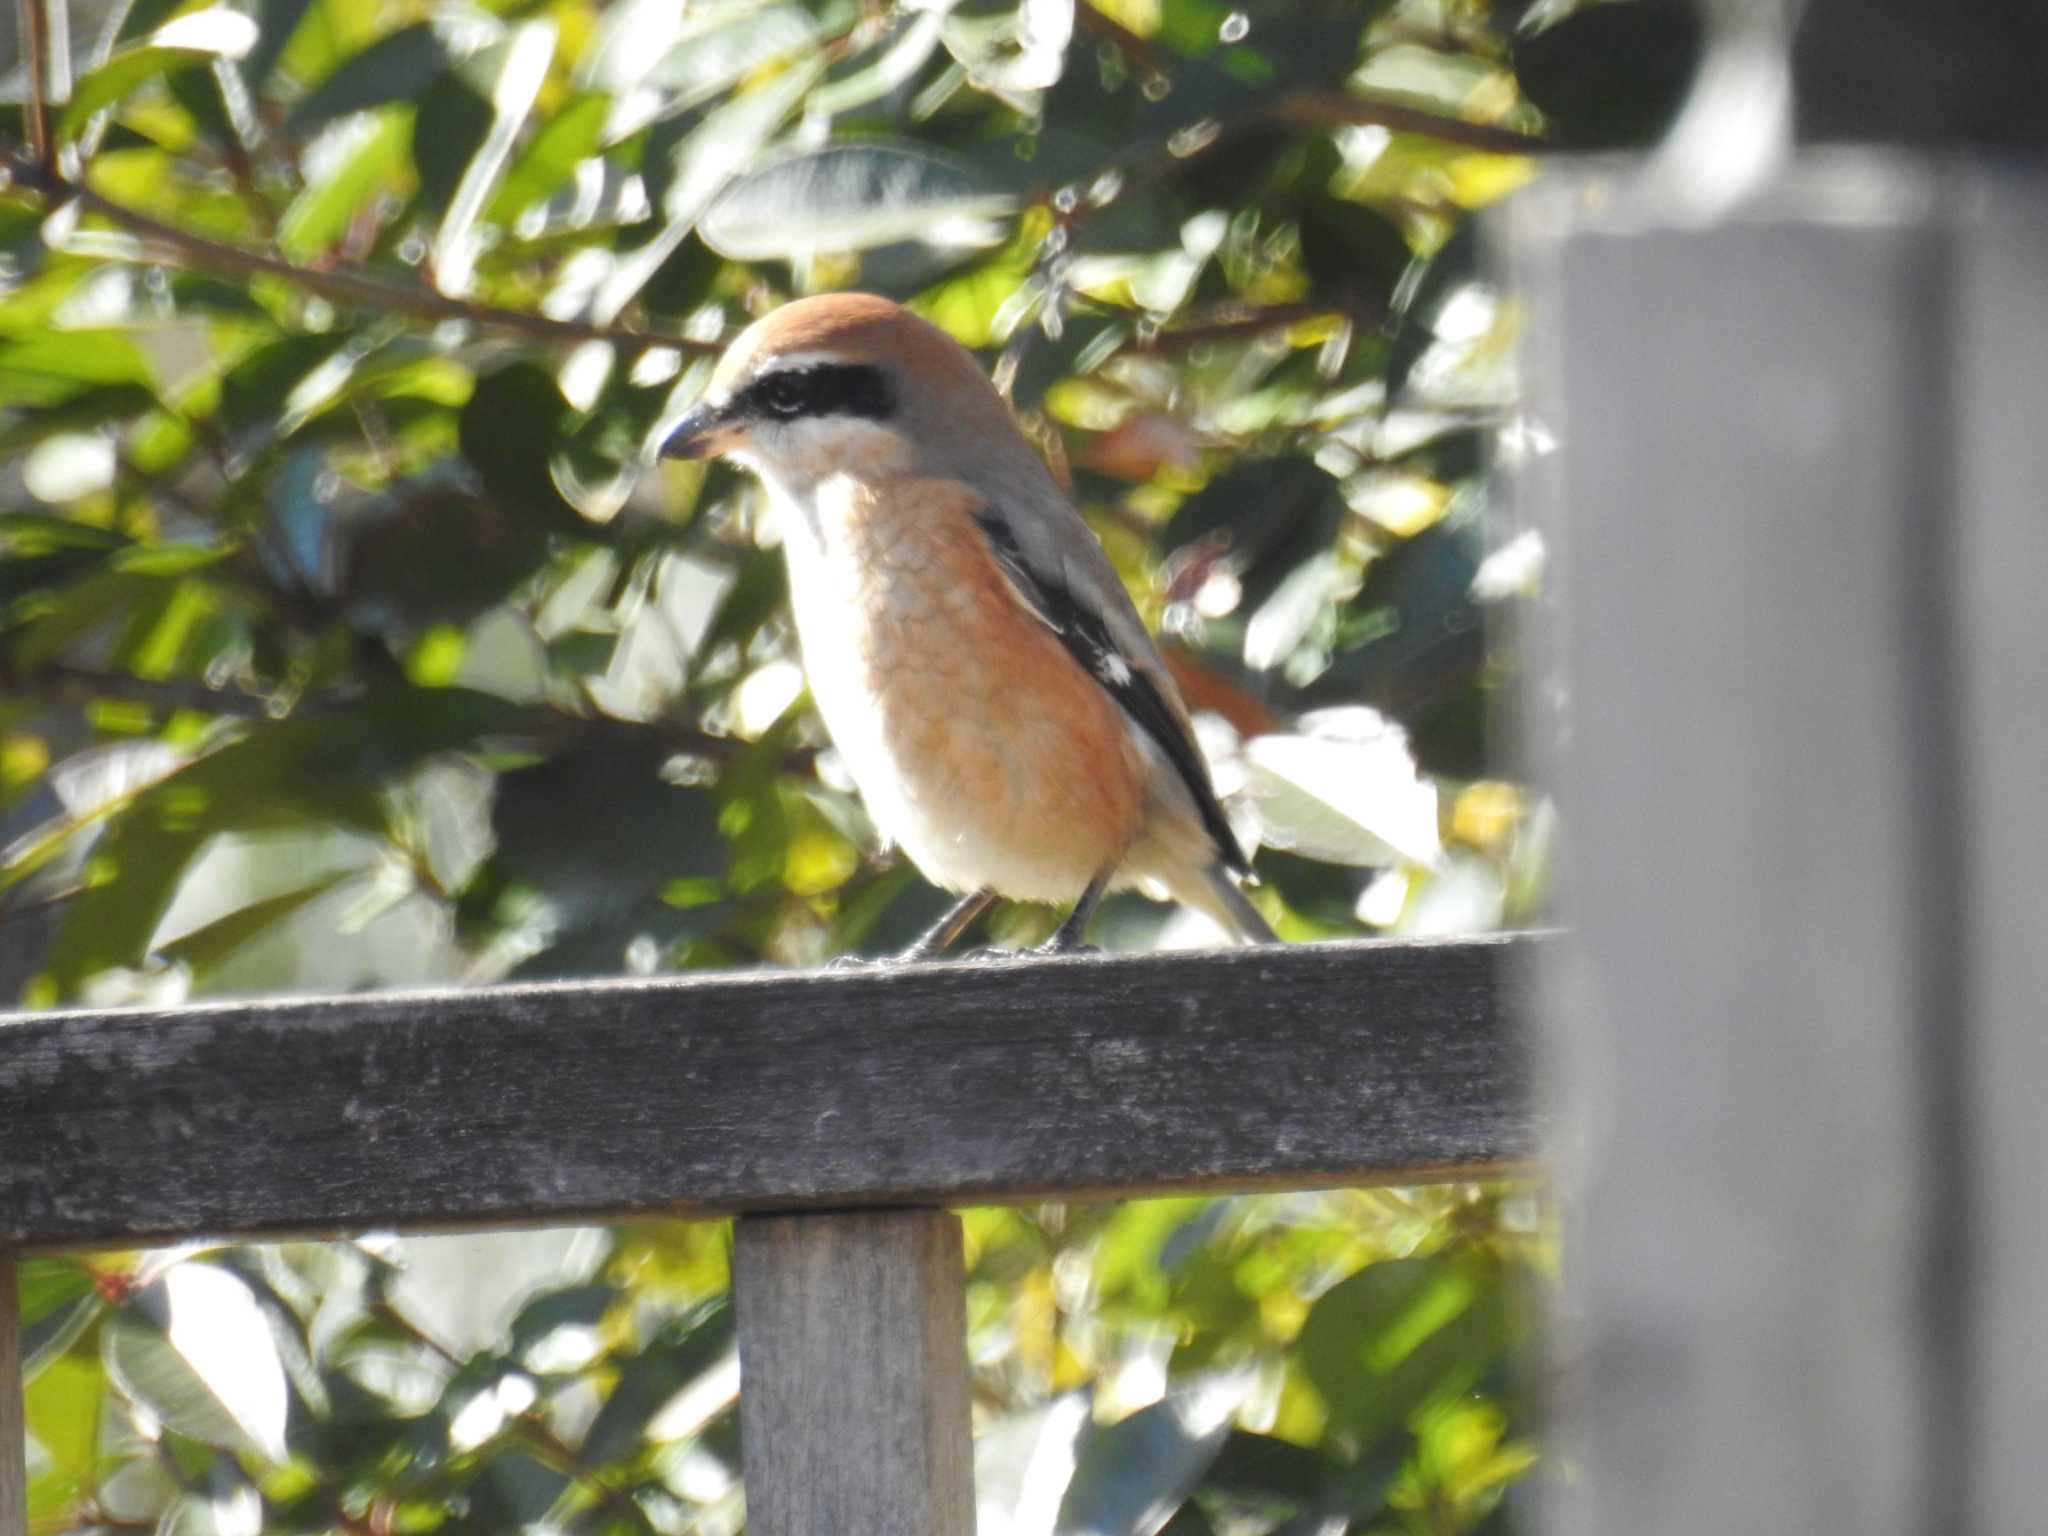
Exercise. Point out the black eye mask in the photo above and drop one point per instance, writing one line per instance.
(821, 389)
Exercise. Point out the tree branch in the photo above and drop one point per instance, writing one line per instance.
(61, 683)
(1329, 108)
(358, 290)
(35, 64)
(1232, 322)
(1321, 108)
(1141, 51)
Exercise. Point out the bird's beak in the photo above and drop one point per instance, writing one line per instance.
(705, 433)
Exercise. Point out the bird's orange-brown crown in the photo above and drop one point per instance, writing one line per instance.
(853, 328)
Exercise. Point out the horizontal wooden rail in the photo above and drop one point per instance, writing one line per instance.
(1099, 1076)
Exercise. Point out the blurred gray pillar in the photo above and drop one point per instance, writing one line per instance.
(1801, 510)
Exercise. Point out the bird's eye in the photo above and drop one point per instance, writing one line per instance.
(785, 394)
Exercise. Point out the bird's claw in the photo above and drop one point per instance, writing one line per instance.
(864, 962)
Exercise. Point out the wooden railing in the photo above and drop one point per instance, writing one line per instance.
(838, 1113)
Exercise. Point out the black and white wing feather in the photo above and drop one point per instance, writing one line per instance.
(1087, 633)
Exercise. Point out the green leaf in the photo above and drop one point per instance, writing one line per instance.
(577, 1306)
(396, 68)
(439, 554)
(515, 422)
(678, 1355)
(206, 949)
(686, 167)
(453, 124)
(551, 156)
(56, 367)
(1301, 507)
(504, 81)
(323, 211)
(1132, 1475)
(47, 1284)
(277, 21)
(329, 767)
(38, 533)
(195, 1349)
(1419, 296)
(1250, 1466)
(119, 77)
(855, 197)
(552, 818)
(1609, 77)
(198, 37)
(1402, 1333)
(711, 54)
(65, 1403)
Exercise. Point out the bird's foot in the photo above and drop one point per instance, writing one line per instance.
(1055, 946)
(868, 962)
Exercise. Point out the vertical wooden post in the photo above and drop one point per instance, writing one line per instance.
(1769, 875)
(2001, 542)
(13, 1414)
(853, 1374)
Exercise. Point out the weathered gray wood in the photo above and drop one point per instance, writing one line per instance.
(854, 1413)
(1306, 1066)
(2000, 361)
(13, 1416)
(1756, 424)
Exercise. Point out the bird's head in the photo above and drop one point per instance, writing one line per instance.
(847, 383)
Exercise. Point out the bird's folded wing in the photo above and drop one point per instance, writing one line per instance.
(1137, 682)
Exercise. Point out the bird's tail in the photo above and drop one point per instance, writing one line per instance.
(1216, 895)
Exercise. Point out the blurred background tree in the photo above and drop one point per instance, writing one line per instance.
(350, 636)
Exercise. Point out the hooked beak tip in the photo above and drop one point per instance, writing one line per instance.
(696, 436)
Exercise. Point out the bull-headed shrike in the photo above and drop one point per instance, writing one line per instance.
(980, 667)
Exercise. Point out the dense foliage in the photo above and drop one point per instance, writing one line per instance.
(351, 636)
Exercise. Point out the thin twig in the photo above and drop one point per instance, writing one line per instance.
(1328, 108)
(65, 684)
(1231, 322)
(181, 248)
(1107, 29)
(61, 683)
(1320, 107)
(35, 61)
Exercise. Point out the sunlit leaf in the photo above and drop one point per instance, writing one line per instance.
(852, 198)
(1351, 796)
(687, 172)
(51, 369)
(1401, 1333)
(372, 153)
(277, 20)
(197, 37)
(65, 1403)
(550, 157)
(394, 69)
(205, 949)
(674, 1358)
(331, 766)
(1133, 1475)
(194, 1350)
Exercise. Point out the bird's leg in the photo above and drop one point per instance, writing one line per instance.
(943, 934)
(1066, 940)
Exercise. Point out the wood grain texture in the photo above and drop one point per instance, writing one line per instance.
(1764, 1017)
(854, 1412)
(1295, 1067)
(13, 1416)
